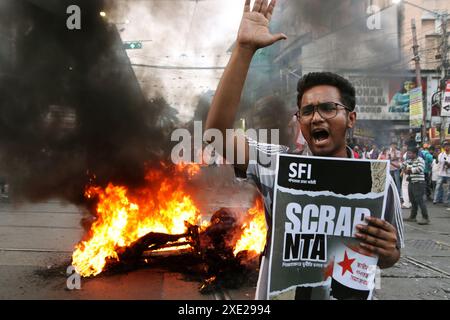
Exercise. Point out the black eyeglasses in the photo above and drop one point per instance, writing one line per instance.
(327, 110)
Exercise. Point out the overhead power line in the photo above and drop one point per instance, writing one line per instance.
(175, 67)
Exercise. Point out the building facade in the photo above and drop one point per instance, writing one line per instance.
(367, 41)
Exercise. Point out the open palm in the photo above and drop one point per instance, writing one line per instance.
(254, 30)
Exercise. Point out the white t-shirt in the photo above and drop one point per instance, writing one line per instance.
(443, 170)
(434, 170)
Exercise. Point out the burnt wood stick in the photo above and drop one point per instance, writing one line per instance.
(135, 250)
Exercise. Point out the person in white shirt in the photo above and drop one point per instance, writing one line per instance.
(434, 173)
(405, 184)
(365, 152)
(395, 158)
(443, 175)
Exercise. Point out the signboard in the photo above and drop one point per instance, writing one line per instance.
(318, 203)
(363, 132)
(132, 45)
(416, 108)
(382, 98)
(436, 124)
(445, 112)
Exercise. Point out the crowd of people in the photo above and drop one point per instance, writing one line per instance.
(420, 173)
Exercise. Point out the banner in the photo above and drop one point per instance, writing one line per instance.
(383, 98)
(445, 112)
(318, 203)
(415, 108)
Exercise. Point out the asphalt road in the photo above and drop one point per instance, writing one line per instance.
(423, 271)
(36, 241)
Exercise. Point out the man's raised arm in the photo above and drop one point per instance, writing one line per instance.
(253, 34)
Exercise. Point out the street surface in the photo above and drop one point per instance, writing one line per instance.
(36, 242)
(423, 271)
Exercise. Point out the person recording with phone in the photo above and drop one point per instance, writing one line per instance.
(415, 169)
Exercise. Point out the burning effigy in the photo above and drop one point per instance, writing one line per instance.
(161, 219)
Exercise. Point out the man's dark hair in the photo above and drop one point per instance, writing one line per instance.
(346, 89)
(414, 150)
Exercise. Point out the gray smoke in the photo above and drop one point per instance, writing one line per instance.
(342, 35)
(71, 107)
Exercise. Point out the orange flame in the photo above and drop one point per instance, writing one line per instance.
(124, 216)
(191, 168)
(254, 231)
(163, 206)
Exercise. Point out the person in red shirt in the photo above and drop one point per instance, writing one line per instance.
(384, 154)
(357, 152)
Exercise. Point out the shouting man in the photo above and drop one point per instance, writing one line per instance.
(326, 104)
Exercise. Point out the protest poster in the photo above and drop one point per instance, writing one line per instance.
(416, 108)
(318, 203)
(445, 112)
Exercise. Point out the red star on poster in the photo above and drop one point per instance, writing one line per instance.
(346, 264)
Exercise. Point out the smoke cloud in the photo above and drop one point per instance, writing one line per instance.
(183, 44)
(71, 107)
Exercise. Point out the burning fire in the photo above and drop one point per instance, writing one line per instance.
(163, 206)
(254, 231)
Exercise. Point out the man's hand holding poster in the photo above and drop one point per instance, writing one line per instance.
(318, 204)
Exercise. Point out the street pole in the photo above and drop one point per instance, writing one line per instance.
(444, 70)
(419, 76)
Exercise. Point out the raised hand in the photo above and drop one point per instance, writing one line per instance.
(254, 30)
(253, 34)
